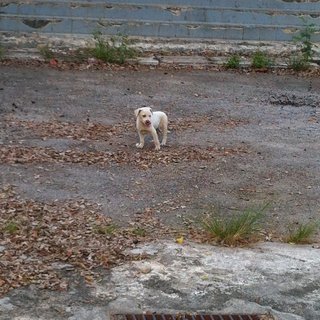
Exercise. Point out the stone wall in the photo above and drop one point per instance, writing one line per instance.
(245, 20)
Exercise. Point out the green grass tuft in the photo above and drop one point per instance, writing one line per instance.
(1, 52)
(298, 63)
(141, 232)
(233, 62)
(115, 51)
(303, 233)
(106, 229)
(11, 227)
(46, 52)
(237, 229)
(260, 60)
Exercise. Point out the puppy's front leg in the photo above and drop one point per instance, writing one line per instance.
(155, 138)
(141, 144)
(164, 138)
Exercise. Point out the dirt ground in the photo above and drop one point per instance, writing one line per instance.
(236, 141)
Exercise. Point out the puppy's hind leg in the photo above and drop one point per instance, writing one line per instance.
(164, 130)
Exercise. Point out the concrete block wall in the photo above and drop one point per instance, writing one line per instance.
(248, 20)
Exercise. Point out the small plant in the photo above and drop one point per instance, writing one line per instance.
(80, 55)
(139, 232)
(260, 60)
(11, 227)
(117, 51)
(301, 61)
(304, 39)
(106, 229)
(46, 52)
(302, 233)
(298, 63)
(233, 62)
(1, 52)
(237, 229)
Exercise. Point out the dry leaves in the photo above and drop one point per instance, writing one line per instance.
(144, 159)
(40, 240)
(100, 132)
(77, 131)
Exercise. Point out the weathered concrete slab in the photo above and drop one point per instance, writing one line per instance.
(149, 61)
(233, 20)
(184, 60)
(271, 277)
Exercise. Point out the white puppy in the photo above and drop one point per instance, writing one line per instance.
(148, 122)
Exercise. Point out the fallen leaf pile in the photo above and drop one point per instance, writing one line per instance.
(146, 158)
(12, 154)
(58, 129)
(98, 131)
(40, 240)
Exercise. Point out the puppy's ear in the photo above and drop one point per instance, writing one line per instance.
(150, 109)
(137, 111)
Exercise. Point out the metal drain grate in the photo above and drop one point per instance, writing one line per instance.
(160, 316)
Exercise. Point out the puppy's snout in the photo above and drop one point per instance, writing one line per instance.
(148, 122)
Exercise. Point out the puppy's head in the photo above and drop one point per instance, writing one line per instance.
(144, 115)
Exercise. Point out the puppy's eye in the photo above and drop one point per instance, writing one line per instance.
(144, 116)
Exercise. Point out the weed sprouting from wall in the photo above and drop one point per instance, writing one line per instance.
(116, 50)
